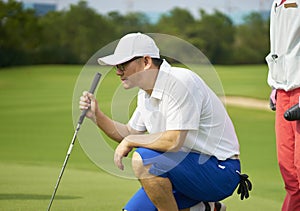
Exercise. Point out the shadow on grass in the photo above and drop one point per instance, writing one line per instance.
(21, 196)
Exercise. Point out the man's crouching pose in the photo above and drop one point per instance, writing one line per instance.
(186, 149)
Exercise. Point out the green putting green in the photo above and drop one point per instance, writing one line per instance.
(36, 129)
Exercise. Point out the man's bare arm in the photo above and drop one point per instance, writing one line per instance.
(115, 130)
(170, 141)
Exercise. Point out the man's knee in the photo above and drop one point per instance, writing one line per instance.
(138, 167)
(137, 164)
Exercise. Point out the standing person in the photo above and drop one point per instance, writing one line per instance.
(284, 77)
(187, 151)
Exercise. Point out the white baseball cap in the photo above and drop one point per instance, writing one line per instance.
(130, 46)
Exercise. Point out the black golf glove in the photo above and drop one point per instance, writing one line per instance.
(245, 186)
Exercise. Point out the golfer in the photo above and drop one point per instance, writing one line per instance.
(186, 149)
(284, 77)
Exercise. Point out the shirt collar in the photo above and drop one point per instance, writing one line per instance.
(161, 79)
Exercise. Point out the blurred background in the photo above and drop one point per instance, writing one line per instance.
(70, 31)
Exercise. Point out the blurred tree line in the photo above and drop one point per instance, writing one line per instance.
(72, 36)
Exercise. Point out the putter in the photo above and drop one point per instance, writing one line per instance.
(81, 118)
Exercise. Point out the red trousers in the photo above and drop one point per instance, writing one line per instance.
(288, 149)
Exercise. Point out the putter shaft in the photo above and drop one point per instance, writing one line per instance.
(80, 121)
(64, 166)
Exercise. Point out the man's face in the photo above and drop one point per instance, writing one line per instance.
(129, 72)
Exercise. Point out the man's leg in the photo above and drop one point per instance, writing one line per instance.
(158, 189)
(140, 202)
(162, 164)
(286, 149)
(296, 99)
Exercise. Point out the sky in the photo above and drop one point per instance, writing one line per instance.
(162, 6)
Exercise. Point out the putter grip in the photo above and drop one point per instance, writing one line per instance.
(92, 90)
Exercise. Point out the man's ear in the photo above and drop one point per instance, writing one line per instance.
(148, 62)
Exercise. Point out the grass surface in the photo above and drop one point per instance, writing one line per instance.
(246, 81)
(36, 130)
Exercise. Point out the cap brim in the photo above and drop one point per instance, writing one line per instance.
(113, 60)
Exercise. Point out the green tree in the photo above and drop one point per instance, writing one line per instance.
(252, 40)
(131, 22)
(84, 31)
(53, 48)
(73, 36)
(177, 22)
(19, 34)
(213, 34)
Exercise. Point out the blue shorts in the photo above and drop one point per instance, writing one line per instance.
(195, 178)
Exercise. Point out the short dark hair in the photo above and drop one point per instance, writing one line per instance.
(157, 61)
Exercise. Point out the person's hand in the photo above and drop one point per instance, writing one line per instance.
(273, 98)
(121, 151)
(88, 102)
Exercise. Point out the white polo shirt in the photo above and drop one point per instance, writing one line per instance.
(284, 57)
(182, 101)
